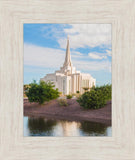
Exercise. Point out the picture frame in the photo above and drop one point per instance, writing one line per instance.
(13, 145)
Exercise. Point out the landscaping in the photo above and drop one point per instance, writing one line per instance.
(42, 92)
(96, 98)
(93, 105)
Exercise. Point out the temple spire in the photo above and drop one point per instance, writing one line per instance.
(67, 58)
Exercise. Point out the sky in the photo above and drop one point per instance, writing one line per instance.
(45, 50)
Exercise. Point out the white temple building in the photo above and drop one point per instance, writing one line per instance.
(68, 80)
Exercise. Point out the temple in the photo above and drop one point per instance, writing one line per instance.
(68, 80)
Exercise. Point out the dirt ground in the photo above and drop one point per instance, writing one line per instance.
(72, 112)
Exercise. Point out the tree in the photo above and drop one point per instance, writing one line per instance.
(42, 92)
(96, 97)
(25, 89)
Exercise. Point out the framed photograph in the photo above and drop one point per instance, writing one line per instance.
(67, 80)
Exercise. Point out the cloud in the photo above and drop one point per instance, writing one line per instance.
(76, 52)
(91, 35)
(92, 66)
(97, 56)
(41, 56)
(54, 59)
(53, 31)
(109, 53)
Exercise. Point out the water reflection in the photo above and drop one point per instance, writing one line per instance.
(93, 128)
(46, 127)
(39, 126)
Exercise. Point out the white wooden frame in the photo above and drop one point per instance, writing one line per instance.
(121, 14)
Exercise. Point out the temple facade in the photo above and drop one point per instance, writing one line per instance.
(68, 80)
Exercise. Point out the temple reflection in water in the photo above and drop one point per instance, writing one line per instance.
(45, 127)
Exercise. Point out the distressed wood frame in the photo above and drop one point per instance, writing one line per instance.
(121, 14)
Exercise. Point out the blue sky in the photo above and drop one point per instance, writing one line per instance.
(45, 46)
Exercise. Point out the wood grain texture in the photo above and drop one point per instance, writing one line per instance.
(121, 14)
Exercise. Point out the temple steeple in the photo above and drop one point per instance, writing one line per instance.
(67, 58)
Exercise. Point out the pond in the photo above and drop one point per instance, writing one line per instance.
(48, 127)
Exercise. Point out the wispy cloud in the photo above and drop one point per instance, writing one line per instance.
(82, 35)
(96, 55)
(53, 31)
(41, 56)
(92, 66)
(54, 58)
(109, 52)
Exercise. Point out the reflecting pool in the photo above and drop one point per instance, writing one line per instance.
(47, 127)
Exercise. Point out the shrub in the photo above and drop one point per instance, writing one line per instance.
(41, 92)
(77, 91)
(25, 89)
(96, 97)
(62, 102)
(69, 96)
